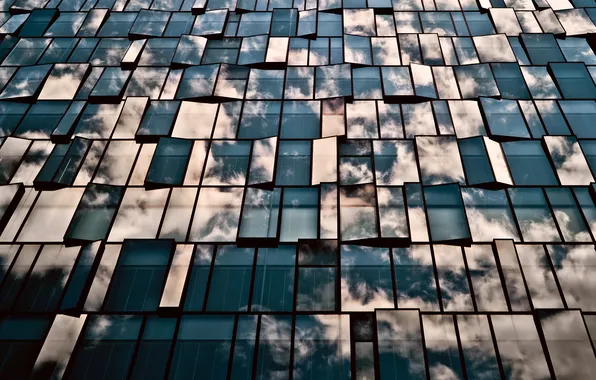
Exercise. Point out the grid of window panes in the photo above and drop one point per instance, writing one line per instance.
(297, 189)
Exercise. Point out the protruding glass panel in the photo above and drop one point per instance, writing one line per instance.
(446, 216)
(260, 215)
(174, 285)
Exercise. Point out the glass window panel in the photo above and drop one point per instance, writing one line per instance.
(274, 279)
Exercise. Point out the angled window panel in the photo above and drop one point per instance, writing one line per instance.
(59, 50)
(293, 163)
(41, 118)
(186, 125)
(246, 5)
(399, 335)
(333, 81)
(328, 213)
(465, 50)
(23, 338)
(277, 52)
(146, 81)
(300, 212)
(58, 346)
(145, 262)
(62, 166)
(43, 289)
(116, 163)
(485, 278)
(159, 52)
(358, 213)
(366, 82)
(97, 343)
(231, 82)
(260, 217)
(453, 278)
(357, 50)
(494, 48)
(476, 162)
(199, 276)
(533, 215)
(510, 81)
(385, 51)
(149, 24)
(11, 153)
(154, 348)
(49, 218)
(198, 82)
(32, 162)
(80, 279)
(139, 214)
(109, 52)
(274, 279)
(569, 161)
(94, 214)
(577, 50)
(441, 344)
(169, 162)
(118, 24)
(489, 215)
(110, 85)
(133, 54)
(64, 81)
(13, 24)
(217, 215)
(180, 23)
(227, 163)
(573, 80)
(262, 164)
(253, 50)
(580, 116)
(209, 334)
(190, 50)
(505, 21)
(83, 50)
(422, 77)
(27, 51)
(476, 81)
(172, 292)
(467, 118)
(532, 118)
(528, 163)
(393, 220)
(230, 279)
(539, 277)
(431, 49)
(157, 121)
(307, 23)
(549, 22)
(210, 24)
(568, 215)
(505, 120)
(254, 24)
(324, 161)
(576, 22)
(542, 48)
(415, 264)
(67, 25)
(445, 82)
(130, 117)
(26, 83)
(397, 82)
(446, 214)
(65, 128)
(439, 160)
(284, 22)
(11, 196)
(553, 119)
(475, 336)
(95, 18)
(361, 120)
(178, 214)
(171, 85)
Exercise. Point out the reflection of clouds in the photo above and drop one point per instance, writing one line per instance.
(359, 22)
(64, 81)
(570, 163)
(217, 213)
(467, 119)
(575, 266)
(402, 169)
(358, 212)
(486, 221)
(139, 214)
(263, 160)
(439, 160)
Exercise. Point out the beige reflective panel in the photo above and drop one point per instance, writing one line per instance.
(324, 160)
(102, 278)
(51, 215)
(172, 292)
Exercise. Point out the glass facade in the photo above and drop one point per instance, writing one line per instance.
(298, 189)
